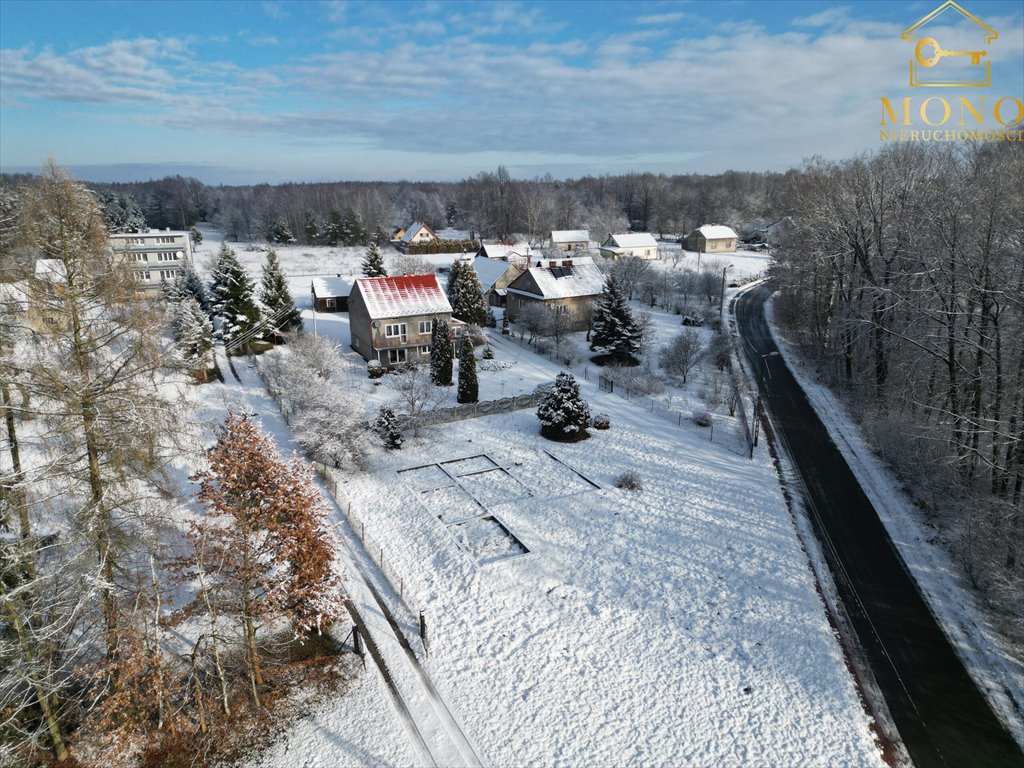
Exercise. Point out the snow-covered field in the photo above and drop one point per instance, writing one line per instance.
(675, 625)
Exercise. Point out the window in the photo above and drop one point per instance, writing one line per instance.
(396, 356)
(137, 240)
(146, 275)
(712, 246)
(647, 252)
(168, 274)
(166, 257)
(425, 326)
(141, 257)
(458, 331)
(425, 349)
(561, 309)
(165, 239)
(330, 303)
(395, 330)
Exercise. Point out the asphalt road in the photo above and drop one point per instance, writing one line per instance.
(942, 717)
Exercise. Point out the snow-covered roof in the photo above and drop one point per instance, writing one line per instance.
(401, 296)
(333, 287)
(453, 234)
(634, 240)
(717, 232)
(570, 236)
(583, 278)
(505, 250)
(51, 270)
(489, 270)
(413, 229)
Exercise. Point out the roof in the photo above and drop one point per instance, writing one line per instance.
(583, 278)
(333, 287)
(717, 232)
(504, 250)
(570, 236)
(401, 296)
(51, 270)
(490, 270)
(413, 229)
(634, 240)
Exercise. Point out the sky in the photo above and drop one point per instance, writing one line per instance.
(246, 92)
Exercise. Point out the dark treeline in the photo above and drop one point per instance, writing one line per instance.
(904, 278)
(490, 204)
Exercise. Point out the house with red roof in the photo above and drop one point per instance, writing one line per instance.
(390, 318)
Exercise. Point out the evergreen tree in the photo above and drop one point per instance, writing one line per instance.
(334, 232)
(387, 427)
(194, 335)
(451, 213)
(196, 235)
(505, 330)
(239, 313)
(441, 353)
(354, 230)
(373, 264)
(465, 294)
(276, 297)
(280, 233)
(563, 414)
(312, 228)
(192, 285)
(469, 388)
(218, 282)
(614, 327)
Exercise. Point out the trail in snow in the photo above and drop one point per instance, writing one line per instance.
(434, 731)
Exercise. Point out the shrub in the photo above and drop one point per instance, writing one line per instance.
(602, 421)
(563, 414)
(703, 418)
(374, 369)
(488, 353)
(628, 481)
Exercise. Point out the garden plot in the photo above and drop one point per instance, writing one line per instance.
(487, 539)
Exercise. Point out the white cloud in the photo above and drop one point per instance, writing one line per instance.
(274, 10)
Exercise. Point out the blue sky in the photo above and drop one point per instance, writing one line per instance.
(272, 91)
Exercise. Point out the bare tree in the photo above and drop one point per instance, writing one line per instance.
(682, 353)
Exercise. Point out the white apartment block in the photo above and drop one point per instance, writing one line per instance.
(156, 255)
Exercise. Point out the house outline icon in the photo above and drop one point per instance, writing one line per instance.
(911, 32)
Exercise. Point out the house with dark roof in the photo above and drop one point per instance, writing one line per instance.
(566, 285)
(495, 275)
(390, 318)
(417, 233)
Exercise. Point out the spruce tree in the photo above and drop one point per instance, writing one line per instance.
(276, 297)
(386, 427)
(373, 263)
(505, 330)
(280, 233)
(239, 314)
(192, 286)
(469, 388)
(563, 414)
(614, 327)
(441, 353)
(465, 294)
(194, 335)
(219, 279)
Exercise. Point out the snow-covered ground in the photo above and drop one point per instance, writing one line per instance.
(674, 625)
(996, 669)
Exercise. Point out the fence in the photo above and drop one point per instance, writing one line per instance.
(482, 408)
(374, 550)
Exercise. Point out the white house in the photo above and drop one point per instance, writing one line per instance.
(156, 255)
(712, 238)
(418, 233)
(570, 239)
(641, 245)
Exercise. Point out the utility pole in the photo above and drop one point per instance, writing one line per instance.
(758, 404)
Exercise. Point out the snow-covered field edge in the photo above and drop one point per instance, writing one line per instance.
(954, 604)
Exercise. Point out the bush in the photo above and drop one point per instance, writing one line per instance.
(488, 353)
(703, 418)
(374, 369)
(602, 421)
(628, 481)
(563, 415)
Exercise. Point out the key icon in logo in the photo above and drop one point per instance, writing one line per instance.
(939, 54)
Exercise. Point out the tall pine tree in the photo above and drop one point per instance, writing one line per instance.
(218, 281)
(276, 298)
(469, 389)
(465, 294)
(441, 353)
(194, 335)
(614, 327)
(373, 263)
(239, 313)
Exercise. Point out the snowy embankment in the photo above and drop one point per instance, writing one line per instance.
(997, 671)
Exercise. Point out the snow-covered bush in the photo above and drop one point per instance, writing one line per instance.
(702, 418)
(386, 427)
(563, 414)
(488, 353)
(374, 369)
(602, 421)
(568, 353)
